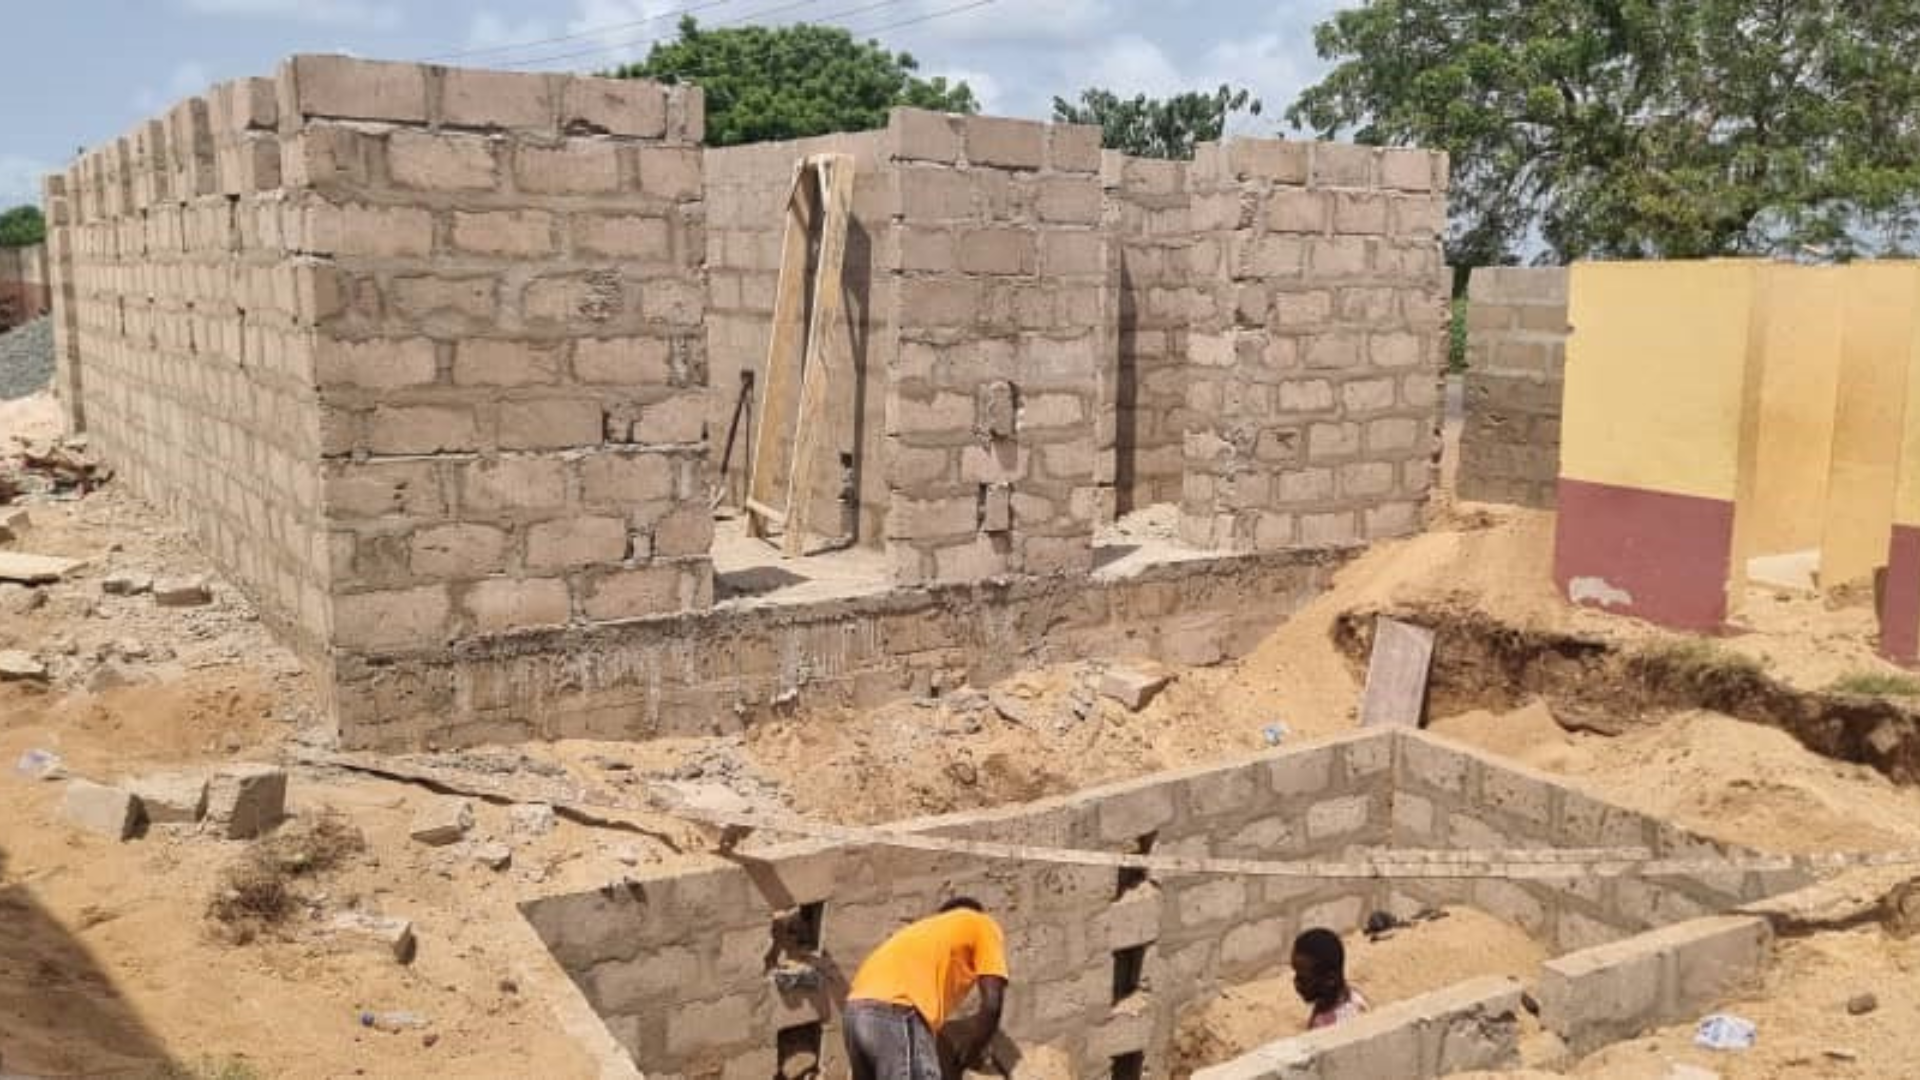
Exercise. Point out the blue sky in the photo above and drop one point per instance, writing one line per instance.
(82, 71)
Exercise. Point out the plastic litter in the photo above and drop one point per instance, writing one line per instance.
(1275, 733)
(1724, 1031)
(393, 1022)
(40, 765)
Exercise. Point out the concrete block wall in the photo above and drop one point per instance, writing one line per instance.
(1467, 1027)
(1147, 214)
(1671, 975)
(24, 287)
(999, 458)
(1516, 356)
(678, 964)
(1449, 796)
(747, 193)
(512, 372)
(186, 316)
(1315, 355)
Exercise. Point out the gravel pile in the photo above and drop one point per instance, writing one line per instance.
(26, 359)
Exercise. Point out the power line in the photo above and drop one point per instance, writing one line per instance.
(591, 31)
(929, 17)
(623, 46)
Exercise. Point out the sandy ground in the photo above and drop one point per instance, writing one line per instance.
(1427, 956)
(107, 961)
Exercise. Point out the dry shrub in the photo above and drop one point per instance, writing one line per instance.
(255, 895)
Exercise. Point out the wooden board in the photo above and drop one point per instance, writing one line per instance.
(1396, 694)
(34, 569)
(828, 357)
(785, 349)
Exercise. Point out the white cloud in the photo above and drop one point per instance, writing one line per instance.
(1024, 21)
(356, 13)
(20, 179)
(1129, 65)
(623, 30)
(186, 79)
(497, 35)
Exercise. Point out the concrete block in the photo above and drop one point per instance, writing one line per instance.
(1337, 817)
(550, 424)
(1301, 772)
(517, 233)
(630, 107)
(486, 362)
(245, 801)
(352, 89)
(374, 364)
(384, 935)
(1007, 144)
(394, 618)
(106, 811)
(576, 167)
(922, 135)
(458, 551)
(171, 798)
(509, 100)
(434, 161)
(1275, 160)
(671, 172)
(182, 592)
(1406, 170)
(1127, 816)
(17, 665)
(444, 820)
(1342, 165)
(576, 542)
(1213, 901)
(1073, 148)
(1131, 686)
(504, 604)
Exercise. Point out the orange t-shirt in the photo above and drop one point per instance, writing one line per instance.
(933, 964)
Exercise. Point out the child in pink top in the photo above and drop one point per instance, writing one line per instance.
(1320, 978)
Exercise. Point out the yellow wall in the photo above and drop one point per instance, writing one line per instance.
(1656, 375)
(1876, 353)
(1796, 368)
(1906, 508)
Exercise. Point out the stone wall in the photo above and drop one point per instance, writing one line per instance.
(1449, 796)
(679, 963)
(1315, 355)
(24, 288)
(1148, 216)
(1516, 353)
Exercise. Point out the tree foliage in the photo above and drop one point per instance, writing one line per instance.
(22, 226)
(1156, 127)
(787, 82)
(1643, 128)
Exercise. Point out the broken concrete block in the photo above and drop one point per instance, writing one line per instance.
(20, 599)
(34, 569)
(182, 592)
(127, 584)
(13, 524)
(531, 819)
(171, 798)
(97, 808)
(443, 821)
(113, 675)
(996, 508)
(18, 666)
(1131, 686)
(244, 801)
(375, 933)
(995, 410)
(492, 854)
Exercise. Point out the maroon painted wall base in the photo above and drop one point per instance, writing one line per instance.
(1900, 611)
(1665, 558)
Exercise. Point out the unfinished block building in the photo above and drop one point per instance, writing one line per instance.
(443, 365)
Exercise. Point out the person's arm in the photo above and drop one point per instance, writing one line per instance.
(993, 997)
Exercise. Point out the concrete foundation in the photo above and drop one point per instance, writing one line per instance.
(679, 964)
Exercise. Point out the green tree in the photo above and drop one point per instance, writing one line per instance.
(1643, 128)
(22, 226)
(1156, 127)
(787, 82)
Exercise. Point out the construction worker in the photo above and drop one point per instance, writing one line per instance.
(906, 990)
(1320, 978)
